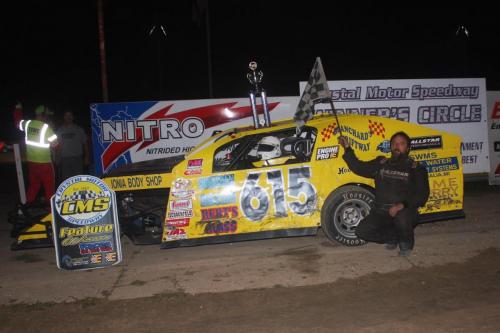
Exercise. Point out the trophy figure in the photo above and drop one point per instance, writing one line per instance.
(255, 79)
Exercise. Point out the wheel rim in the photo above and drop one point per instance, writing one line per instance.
(348, 215)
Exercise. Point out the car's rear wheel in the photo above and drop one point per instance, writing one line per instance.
(342, 212)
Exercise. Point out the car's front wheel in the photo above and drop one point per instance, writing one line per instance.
(342, 212)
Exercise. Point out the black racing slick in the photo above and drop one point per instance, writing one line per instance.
(398, 180)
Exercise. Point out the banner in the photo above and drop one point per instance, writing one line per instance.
(494, 136)
(454, 105)
(85, 224)
(124, 133)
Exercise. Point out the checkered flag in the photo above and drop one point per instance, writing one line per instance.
(315, 91)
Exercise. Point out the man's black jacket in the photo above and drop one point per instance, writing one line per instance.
(396, 181)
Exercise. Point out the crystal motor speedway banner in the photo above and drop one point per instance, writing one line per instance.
(453, 105)
(494, 134)
(85, 224)
(124, 133)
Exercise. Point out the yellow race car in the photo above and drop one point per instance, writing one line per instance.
(276, 181)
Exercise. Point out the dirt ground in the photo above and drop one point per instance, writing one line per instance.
(451, 283)
(450, 298)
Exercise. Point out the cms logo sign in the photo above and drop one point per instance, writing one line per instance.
(82, 200)
(85, 206)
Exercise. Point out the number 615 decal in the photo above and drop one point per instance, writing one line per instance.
(254, 200)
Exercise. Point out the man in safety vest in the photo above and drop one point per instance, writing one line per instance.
(39, 138)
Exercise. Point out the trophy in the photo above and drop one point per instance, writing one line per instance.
(255, 79)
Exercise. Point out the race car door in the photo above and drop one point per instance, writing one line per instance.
(267, 178)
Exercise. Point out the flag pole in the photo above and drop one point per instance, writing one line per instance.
(336, 117)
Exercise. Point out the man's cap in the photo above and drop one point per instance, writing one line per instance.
(42, 109)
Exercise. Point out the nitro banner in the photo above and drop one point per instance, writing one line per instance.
(85, 224)
(124, 133)
(454, 105)
(494, 135)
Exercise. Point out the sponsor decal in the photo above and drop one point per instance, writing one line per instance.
(217, 199)
(441, 164)
(135, 182)
(96, 258)
(182, 188)
(220, 227)
(215, 181)
(426, 142)
(343, 170)
(197, 163)
(326, 153)
(384, 146)
(194, 167)
(423, 156)
(495, 126)
(181, 204)
(180, 213)
(111, 257)
(177, 222)
(443, 192)
(72, 263)
(355, 137)
(90, 248)
(176, 234)
(190, 172)
(219, 212)
(82, 200)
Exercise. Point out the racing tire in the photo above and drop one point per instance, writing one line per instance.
(342, 212)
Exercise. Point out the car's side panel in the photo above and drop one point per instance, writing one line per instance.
(266, 199)
(438, 151)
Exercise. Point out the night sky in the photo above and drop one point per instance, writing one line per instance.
(52, 54)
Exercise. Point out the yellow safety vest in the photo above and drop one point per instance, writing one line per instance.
(37, 136)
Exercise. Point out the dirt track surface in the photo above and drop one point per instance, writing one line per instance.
(451, 283)
(449, 298)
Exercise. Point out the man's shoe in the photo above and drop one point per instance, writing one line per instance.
(391, 246)
(404, 253)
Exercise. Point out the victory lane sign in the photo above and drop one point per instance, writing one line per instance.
(85, 224)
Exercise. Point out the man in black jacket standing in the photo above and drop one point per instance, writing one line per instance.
(401, 186)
